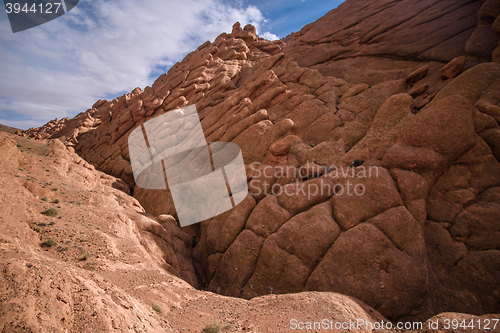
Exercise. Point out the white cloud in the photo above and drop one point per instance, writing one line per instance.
(103, 48)
(269, 36)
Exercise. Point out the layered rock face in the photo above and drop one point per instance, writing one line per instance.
(371, 41)
(372, 146)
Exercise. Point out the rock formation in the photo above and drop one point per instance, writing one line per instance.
(386, 39)
(94, 261)
(398, 98)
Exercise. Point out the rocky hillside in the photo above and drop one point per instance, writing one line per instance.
(77, 254)
(409, 90)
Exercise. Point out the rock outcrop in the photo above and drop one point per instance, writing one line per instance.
(96, 262)
(386, 39)
(389, 142)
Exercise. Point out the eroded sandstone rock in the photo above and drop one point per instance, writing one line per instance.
(353, 92)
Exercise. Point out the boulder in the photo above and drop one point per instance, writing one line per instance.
(237, 264)
(355, 90)
(288, 256)
(481, 82)
(366, 264)
(300, 196)
(363, 193)
(325, 154)
(280, 147)
(418, 90)
(453, 68)
(492, 137)
(417, 75)
(434, 138)
(267, 217)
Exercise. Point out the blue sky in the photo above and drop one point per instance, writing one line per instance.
(105, 48)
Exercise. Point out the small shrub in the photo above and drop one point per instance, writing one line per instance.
(50, 212)
(86, 256)
(49, 243)
(212, 328)
(156, 307)
(56, 200)
(21, 169)
(55, 188)
(44, 198)
(18, 145)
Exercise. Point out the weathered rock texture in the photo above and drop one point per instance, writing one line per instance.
(374, 88)
(109, 266)
(375, 40)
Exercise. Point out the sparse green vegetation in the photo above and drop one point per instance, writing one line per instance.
(213, 327)
(18, 145)
(86, 256)
(156, 307)
(55, 188)
(21, 169)
(50, 212)
(49, 243)
(44, 199)
(56, 200)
